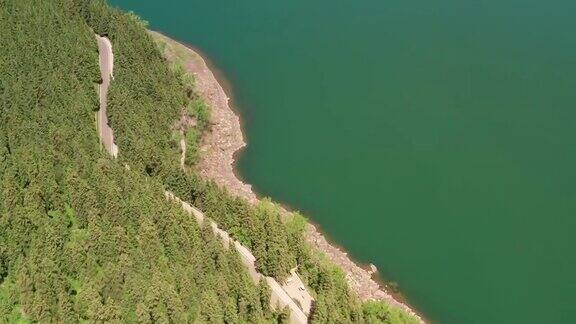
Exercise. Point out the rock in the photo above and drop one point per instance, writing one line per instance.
(373, 268)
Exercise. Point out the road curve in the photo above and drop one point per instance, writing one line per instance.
(106, 60)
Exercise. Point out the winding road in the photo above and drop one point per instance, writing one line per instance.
(106, 71)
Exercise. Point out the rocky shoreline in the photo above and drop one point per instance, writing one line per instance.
(218, 148)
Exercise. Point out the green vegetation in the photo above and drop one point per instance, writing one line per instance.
(84, 238)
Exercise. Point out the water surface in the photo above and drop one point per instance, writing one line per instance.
(435, 139)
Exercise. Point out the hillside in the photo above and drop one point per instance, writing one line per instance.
(88, 237)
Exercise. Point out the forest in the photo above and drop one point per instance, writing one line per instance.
(86, 237)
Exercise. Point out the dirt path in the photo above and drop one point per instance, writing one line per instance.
(279, 297)
(106, 58)
(183, 149)
(225, 138)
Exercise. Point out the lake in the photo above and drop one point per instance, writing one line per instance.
(435, 139)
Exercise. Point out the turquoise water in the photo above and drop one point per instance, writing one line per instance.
(434, 139)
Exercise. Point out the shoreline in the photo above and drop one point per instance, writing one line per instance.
(224, 142)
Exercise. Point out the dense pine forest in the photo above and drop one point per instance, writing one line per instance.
(86, 237)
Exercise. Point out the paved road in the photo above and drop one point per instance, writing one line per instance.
(106, 69)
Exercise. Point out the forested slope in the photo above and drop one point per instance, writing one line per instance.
(87, 237)
(82, 237)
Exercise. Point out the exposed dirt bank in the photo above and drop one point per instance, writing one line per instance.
(219, 145)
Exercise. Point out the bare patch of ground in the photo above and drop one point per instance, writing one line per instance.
(184, 122)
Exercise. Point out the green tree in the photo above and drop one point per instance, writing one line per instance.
(211, 311)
